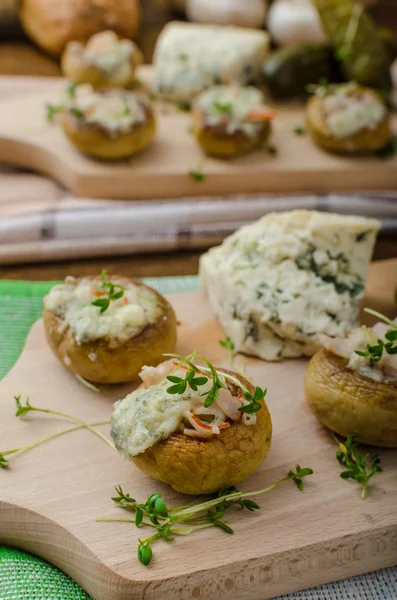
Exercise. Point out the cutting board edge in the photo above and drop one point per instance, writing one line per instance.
(324, 563)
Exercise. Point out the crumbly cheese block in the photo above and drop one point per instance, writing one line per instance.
(190, 58)
(277, 284)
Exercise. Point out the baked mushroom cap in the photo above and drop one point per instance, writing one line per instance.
(202, 466)
(104, 361)
(348, 402)
(229, 120)
(364, 139)
(105, 61)
(110, 125)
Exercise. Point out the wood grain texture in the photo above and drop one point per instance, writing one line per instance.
(49, 499)
(163, 169)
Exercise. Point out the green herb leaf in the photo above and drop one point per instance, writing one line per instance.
(223, 526)
(114, 292)
(71, 90)
(145, 553)
(22, 410)
(138, 516)
(102, 303)
(254, 401)
(299, 130)
(359, 468)
(4, 464)
(161, 507)
(298, 475)
(52, 110)
(196, 174)
(76, 112)
(185, 106)
(272, 150)
(226, 108)
(228, 344)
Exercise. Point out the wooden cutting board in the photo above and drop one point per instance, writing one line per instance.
(162, 170)
(49, 498)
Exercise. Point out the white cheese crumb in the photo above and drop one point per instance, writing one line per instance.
(122, 320)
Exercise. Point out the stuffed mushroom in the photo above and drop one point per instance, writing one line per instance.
(231, 120)
(351, 384)
(197, 428)
(111, 124)
(105, 61)
(348, 119)
(105, 329)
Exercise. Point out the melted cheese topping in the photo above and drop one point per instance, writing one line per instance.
(124, 319)
(109, 53)
(383, 371)
(117, 111)
(151, 414)
(231, 106)
(278, 283)
(349, 109)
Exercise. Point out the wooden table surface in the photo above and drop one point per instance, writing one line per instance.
(19, 57)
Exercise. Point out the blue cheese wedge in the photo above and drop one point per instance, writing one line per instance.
(190, 58)
(277, 284)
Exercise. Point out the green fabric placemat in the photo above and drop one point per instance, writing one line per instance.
(23, 576)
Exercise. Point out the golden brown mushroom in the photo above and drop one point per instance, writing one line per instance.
(191, 465)
(110, 346)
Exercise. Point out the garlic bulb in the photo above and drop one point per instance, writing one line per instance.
(247, 13)
(294, 21)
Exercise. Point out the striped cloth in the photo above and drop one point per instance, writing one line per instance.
(39, 221)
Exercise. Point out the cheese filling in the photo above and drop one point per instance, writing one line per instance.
(151, 413)
(124, 318)
(349, 110)
(107, 52)
(382, 371)
(235, 108)
(116, 111)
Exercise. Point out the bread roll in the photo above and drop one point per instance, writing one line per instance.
(52, 24)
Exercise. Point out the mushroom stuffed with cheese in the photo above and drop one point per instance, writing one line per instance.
(231, 120)
(351, 384)
(197, 428)
(110, 124)
(105, 329)
(348, 119)
(104, 61)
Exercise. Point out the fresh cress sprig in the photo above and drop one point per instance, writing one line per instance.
(196, 377)
(190, 518)
(5, 463)
(360, 468)
(113, 291)
(180, 384)
(228, 344)
(374, 352)
(24, 409)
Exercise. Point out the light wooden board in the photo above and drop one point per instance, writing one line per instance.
(49, 499)
(162, 170)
